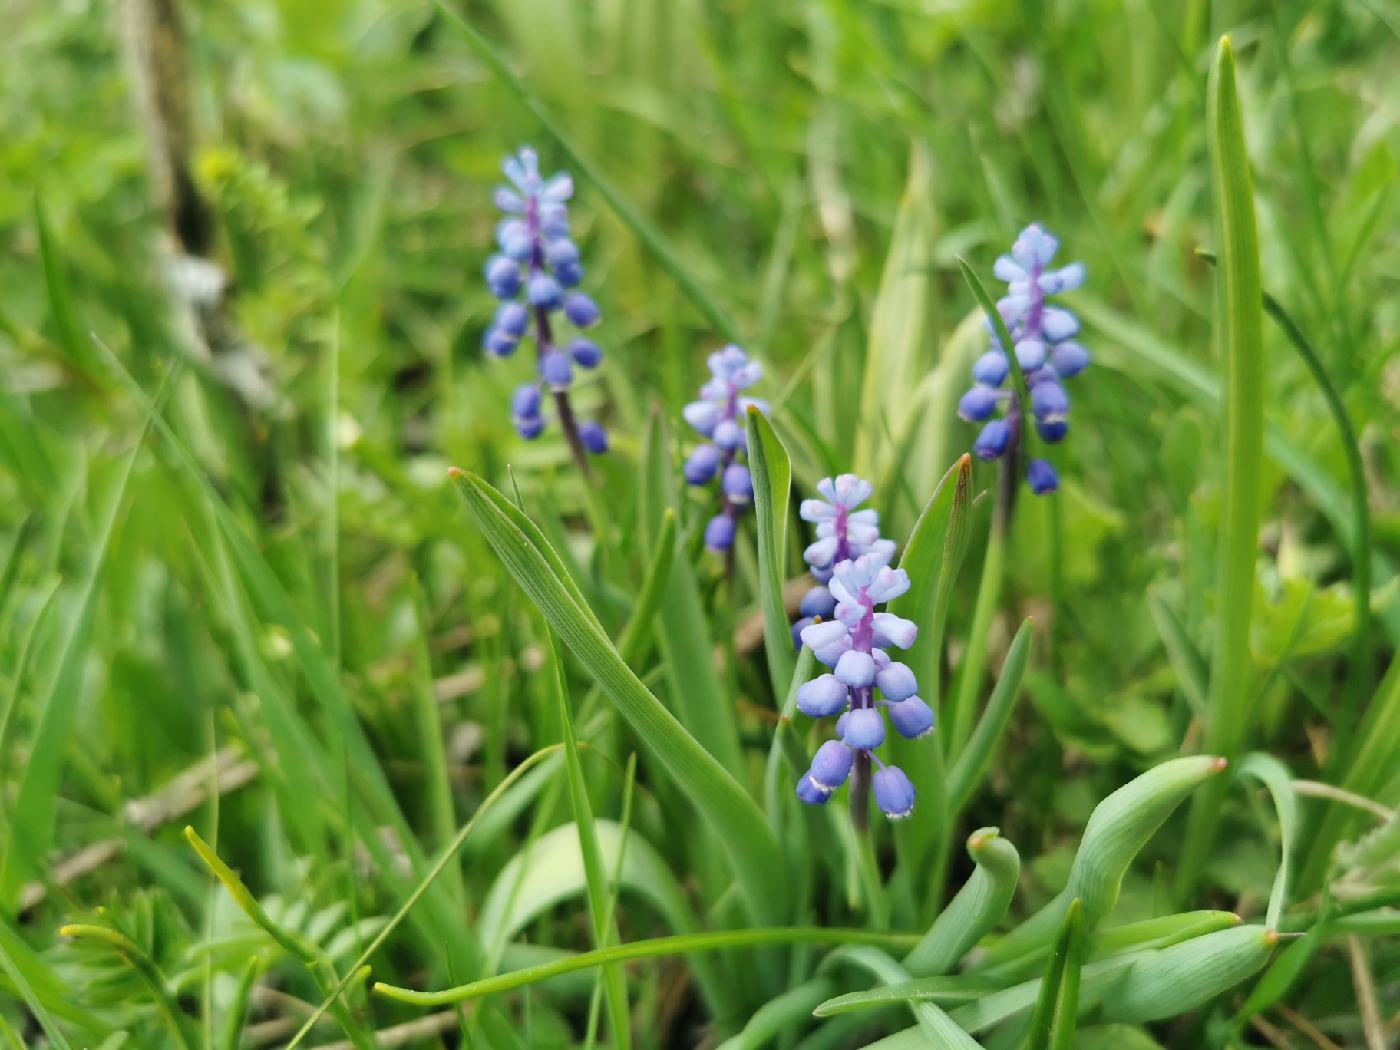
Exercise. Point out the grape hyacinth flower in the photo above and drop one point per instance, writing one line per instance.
(853, 644)
(718, 416)
(1043, 337)
(536, 274)
(843, 532)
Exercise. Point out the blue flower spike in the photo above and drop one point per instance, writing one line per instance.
(1043, 337)
(718, 417)
(533, 274)
(846, 634)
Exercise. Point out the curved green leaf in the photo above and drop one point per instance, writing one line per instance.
(742, 830)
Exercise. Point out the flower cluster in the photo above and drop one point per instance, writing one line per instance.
(718, 416)
(854, 560)
(843, 532)
(1045, 349)
(535, 275)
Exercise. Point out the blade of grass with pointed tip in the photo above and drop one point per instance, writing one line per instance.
(683, 636)
(938, 1028)
(772, 489)
(1275, 776)
(933, 556)
(595, 875)
(444, 858)
(971, 766)
(32, 829)
(62, 312)
(647, 949)
(1239, 330)
(748, 841)
(1058, 990)
(648, 234)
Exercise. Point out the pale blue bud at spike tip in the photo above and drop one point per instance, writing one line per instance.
(536, 263)
(1043, 335)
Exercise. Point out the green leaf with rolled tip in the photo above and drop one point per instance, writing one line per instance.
(772, 489)
(1240, 348)
(935, 1024)
(654, 948)
(1275, 776)
(1117, 830)
(655, 241)
(753, 851)
(595, 874)
(975, 910)
(972, 765)
(1056, 1005)
(1173, 980)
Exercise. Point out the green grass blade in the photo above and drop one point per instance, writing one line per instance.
(772, 490)
(595, 873)
(432, 744)
(32, 829)
(1239, 327)
(972, 765)
(938, 1028)
(21, 984)
(648, 949)
(72, 339)
(648, 234)
(1049, 1004)
(447, 856)
(1275, 776)
(742, 830)
(1360, 518)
